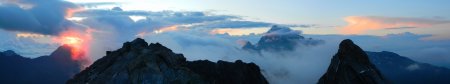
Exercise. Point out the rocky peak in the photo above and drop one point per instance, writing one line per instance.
(280, 38)
(352, 52)
(248, 43)
(62, 53)
(276, 28)
(136, 62)
(249, 46)
(137, 43)
(351, 65)
(283, 32)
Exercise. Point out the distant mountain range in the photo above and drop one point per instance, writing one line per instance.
(402, 70)
(53, 69)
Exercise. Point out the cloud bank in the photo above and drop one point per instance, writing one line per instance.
(299, 66)
(361, 24)
(36, 16)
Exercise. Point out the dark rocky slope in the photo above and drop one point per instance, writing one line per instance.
(402, 70)
(351, 65)
(53, 69)
(139, 63)
(228, 73)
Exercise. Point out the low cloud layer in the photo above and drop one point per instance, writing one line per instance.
(361, 24)
(305, 64)
(35, 16)
(293, 67)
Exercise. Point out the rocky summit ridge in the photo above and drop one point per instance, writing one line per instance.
(139, 63)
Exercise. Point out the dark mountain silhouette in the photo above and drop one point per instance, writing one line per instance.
(402, 70)
(280, 38)
(139, 63)
(351, 65)
(53, 69)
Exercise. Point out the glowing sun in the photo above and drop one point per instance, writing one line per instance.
(73, 41)
(78, 41)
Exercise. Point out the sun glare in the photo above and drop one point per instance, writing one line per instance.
(78, 41)
(72, 40)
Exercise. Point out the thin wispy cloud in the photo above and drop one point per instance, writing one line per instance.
(362, 24)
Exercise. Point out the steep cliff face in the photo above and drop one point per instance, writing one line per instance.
(351, 65)
(139, 63)
(53, 69)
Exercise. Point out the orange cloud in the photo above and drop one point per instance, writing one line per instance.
(71, 11)
(165, 29)
(361, 24)
(223, 31)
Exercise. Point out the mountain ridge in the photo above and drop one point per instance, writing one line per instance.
(52, 69)
(402, 70)
(138, 62)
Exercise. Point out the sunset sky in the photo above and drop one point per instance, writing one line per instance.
(35, 28)
(218, 29)
(330, 17)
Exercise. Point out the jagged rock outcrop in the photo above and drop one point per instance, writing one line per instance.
(139, 63)
(351, 65)
(280, 38)
(53, 69)
(402, 70)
